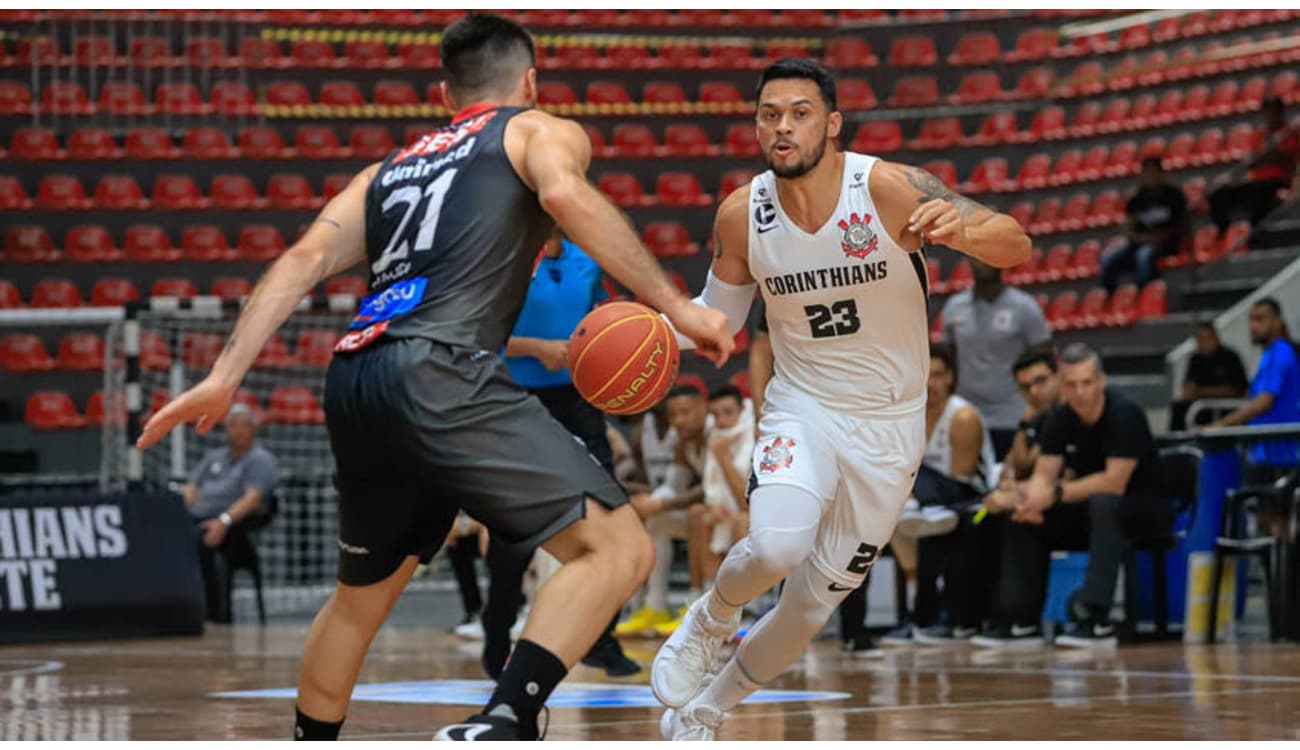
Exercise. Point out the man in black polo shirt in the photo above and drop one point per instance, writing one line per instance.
(1215, 371)
(1095, 487)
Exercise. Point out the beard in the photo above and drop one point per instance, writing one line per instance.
(800, 168)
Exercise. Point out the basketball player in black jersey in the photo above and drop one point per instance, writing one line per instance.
(422, 415)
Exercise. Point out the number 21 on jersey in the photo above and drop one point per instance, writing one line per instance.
(399, 247)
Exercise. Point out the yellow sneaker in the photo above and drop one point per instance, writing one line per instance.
(642, 621)
(665, 629)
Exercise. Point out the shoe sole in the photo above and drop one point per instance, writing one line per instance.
(1070, 641)
(929, 640)
(1018, 644)
(920, 527)
(897, 642)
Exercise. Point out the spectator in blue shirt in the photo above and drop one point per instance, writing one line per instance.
(1274, 393)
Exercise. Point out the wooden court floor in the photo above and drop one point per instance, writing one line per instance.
(164, 689)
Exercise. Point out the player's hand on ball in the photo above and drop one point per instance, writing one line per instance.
(204, 405)
(554, 354)
(707, 327)
(938, 220)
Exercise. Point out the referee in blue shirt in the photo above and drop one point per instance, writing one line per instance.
(566, 286)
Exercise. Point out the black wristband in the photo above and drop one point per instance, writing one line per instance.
(1058, 494)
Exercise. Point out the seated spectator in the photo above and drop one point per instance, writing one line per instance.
(1214, 371)
(1036, 379)
(664, 509)
(1102, 439)
(954, 475)
(228, 491)
(712, 526)
(1269, 169)
(1274, 394)
(1155, 225)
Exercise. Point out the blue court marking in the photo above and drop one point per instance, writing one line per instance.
(575, 695)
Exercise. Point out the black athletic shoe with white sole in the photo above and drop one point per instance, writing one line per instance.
(1088, 633)
(498, 724)
(1010, 637)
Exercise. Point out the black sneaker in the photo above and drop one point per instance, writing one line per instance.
(900, 636)
(609, 656)
(941, 635)
(1088, 632)
(1010, 637)
(862, 646)
(498, 724)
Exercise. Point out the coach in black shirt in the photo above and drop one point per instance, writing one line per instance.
(1096, 486)
(1214, 371)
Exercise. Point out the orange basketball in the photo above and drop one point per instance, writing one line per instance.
(623, 358)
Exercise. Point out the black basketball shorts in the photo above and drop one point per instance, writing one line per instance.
(421, 430)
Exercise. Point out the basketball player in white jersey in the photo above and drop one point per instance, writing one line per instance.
(833, 240)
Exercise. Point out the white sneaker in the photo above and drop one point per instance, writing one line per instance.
(931, 520)
(472, 630)
(690, 655)
(693, 723)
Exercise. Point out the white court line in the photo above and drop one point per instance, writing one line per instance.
(1117, 673)
(909, 707)
(36, 667)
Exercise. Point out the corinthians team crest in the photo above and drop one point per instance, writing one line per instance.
(859, 241)
(776, 456)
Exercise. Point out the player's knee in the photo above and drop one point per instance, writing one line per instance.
(779, 551)
(641, 551)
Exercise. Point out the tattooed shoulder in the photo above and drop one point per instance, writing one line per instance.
(932, 187)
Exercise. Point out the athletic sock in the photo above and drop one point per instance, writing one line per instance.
(528, 680)
(719, 609)
(307, 728)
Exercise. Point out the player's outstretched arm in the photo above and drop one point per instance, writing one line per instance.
(555, 159)
(334, 242)
(933, 213)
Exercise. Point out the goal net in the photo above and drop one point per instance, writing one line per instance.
(161, 350)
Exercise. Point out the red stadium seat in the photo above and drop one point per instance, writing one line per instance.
(678, 56)
(180, 99)
(1033, 44)
(262, 143)
(15, 98)
(996, 128)
(1223, 99)
(314, 53)
(288, 94)
(371, 141)
(150, 51)
(1208, 148)
(733, 180)
(150, 144)
(350, 285)
(914, 91)
(1153, 302)
(1236, 239)
(92, 143)
(24, 352)
(233, 98)
(177, 192)
(1074, 213)
(943, 169)
(634, 139)
(1091, 310)
(419, 55)
(1123, 159)
(200, 350)
(341, 94)
(40, 50)
(850, 52)
(878, 137)
(149, 244)
(260, 243)
(938, 133)
(113, 293)
(623, 189)
(65, 98)
(90, 244)
(730, 55)
(29, 244)
(229, 288)
(1034, 172)
(119, 191)
(234, 191)
(681, 189)
(316, 347)
(741, 140)
(1086, 262)
(13, 195)
(989, 175)
(741, 380)
(60, 192)
(319, 142)
(663, 92)
(628, 57)
(81, 351)
(1061, 311)
(395, 94)
(1047, 124)
(1045, 217)
(274, 355)
(257, 52)
(123, 98)
(961, 277)
(1242, 139)
(574, 57)
(294, 405)
(174, 287)
(368, 54)
(912, 51)
(208, 143)
(1122, 309)
(669, 239)
(555, 92)
(720, 92)
(855, 94)
(1195, 101)
(55, 293)
(52, 410)
(206, 243)
(607, 92)
(778, 51)
(34, 144)
(206, 51)
(976, 48)
(101, 410)
(682, 139)
(1093, 165)
(155, 354)
(291, 192)
(1035, 83)
(1027, 272)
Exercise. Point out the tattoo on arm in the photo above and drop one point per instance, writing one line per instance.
(331, 222)
(932, 187)
(717, 246)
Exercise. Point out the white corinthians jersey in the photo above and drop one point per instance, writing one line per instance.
(846, 307)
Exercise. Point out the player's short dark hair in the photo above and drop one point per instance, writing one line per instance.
(1079, 352)
(808, 70)
(1043, 354)
(483, 53)
(1152, 161)
(684, 390)
(1270, 303)
(727, 391)
(944, 352)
